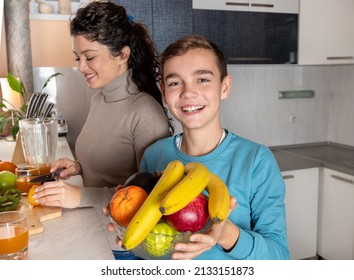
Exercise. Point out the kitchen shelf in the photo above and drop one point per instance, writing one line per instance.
(34, 14)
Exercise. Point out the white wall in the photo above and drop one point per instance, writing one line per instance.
(253, 109)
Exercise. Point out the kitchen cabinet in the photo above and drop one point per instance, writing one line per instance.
(268, 6)
(168, 24)
(336, 216)
(162, 18)
(326, 32)
(301, 202)
(250, 37)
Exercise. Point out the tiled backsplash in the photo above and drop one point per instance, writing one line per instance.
(253, 109)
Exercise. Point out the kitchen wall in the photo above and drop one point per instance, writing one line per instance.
(253, 109)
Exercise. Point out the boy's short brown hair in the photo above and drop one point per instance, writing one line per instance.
(186, 43)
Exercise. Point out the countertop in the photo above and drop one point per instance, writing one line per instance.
(79, 234)
(324, 154)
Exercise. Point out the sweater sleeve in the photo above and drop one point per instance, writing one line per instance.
(267, 238)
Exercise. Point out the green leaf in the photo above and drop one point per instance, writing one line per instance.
(14, 83)
(47, 81)
(23, 108)
(4, 122)
(14, 130)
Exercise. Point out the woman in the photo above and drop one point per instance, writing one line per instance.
(117, 56)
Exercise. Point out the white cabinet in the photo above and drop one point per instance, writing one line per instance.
(336, 216)
(326, 32)
(301, 202)
(271, 6)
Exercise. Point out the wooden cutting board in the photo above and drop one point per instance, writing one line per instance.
(37, 215)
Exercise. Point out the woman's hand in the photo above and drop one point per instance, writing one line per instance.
(225, 234)
(70, 167)
(59, 194)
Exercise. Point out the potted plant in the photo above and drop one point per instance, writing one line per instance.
(11, 116)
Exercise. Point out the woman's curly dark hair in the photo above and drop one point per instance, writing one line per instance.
(109, 24)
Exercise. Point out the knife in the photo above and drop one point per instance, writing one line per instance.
(47, 177)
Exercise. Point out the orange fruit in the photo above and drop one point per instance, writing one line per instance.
(126, 202)
(30, 196)
(8, 166)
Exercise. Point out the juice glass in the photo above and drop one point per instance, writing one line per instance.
(13, 235)
(24, 174)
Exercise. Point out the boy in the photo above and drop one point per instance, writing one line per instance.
(194, 82)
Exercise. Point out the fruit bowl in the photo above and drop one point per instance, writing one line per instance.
(157, 245)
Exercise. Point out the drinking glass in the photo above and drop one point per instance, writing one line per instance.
(13, 235)
(39, 142)
(24, 174)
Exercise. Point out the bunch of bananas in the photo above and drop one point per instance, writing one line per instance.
(176, 188)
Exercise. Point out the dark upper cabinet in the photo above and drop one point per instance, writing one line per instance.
(244, 37)
(141, 11)
(166, 20)
(250, 37)
(171, 20)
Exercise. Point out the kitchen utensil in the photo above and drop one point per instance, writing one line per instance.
(43, 98)
(32, 105)
(48, 110)
(46, 177)
(24, 174)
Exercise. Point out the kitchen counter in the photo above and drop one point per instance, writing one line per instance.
(79, 234)
(325, 154)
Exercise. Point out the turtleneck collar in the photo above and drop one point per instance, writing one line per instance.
(122, 87)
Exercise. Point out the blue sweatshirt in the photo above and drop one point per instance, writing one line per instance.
(252, 175)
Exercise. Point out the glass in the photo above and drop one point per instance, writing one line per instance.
(39, 142)
(13, 235)
(24, 174)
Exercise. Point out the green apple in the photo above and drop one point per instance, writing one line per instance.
(7, 181)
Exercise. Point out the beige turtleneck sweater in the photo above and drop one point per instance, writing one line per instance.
(119, 126)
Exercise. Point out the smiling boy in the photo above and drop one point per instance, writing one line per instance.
(194, 83)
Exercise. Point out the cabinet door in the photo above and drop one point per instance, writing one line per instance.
(301, 202)
(268, 6)
(336, 216)
(326, 32)
(233, 5)
(141, 12)
(274, 6)
(168, 22)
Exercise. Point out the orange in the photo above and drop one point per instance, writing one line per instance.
(8, 166)
(126, 202)
(30, 196)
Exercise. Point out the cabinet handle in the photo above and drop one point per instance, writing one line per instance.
(286, 177)
(235, 4)
(342, 179)
(262, 5)
(250, 58)
(339, 57)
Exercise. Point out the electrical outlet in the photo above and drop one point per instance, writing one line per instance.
(291, 118)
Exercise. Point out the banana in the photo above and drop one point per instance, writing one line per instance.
(149, 214)
(196, 179)
(219, 199)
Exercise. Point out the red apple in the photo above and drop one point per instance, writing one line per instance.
(192, 217)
